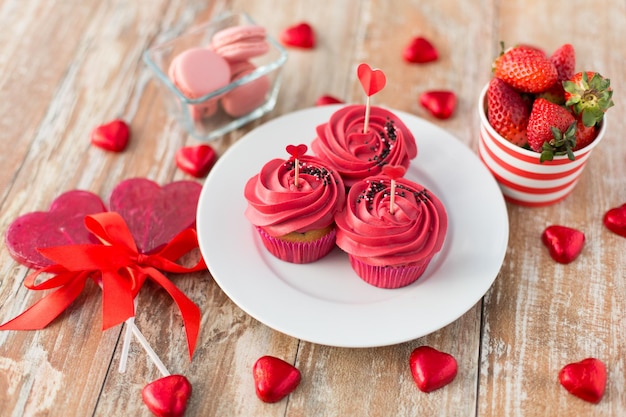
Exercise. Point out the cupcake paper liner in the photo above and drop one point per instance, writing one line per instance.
(388, 276)
(298, 252)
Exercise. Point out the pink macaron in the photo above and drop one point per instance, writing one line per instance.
(246, 97)
(240, 43)
(197, 72)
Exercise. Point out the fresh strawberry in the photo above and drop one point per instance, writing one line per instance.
(589, 95)
(584, 134)
(551, 130)
(507, 112)
(526, 69)
(555, 94)
(564, 60)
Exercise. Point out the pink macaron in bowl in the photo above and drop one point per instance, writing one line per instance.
(218, 76)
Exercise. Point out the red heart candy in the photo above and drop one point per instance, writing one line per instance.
(297, 151)
(615, 220)
(112, 136)
(62, 224)
(274, 378)
(372, 80)
(167, 396)
(564, 243)
(155, 214)
(431, 368)
(419, 51)
(196, 160)
(300, 35)
(440, 104)
(326, 99)
(585, 379)
(393, 171)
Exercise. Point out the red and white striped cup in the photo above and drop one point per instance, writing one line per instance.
(521, 177)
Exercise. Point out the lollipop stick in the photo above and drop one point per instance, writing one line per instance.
(126, 346)
(367, 115)
(132, 329)
(151, 354)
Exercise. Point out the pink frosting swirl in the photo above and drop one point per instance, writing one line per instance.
(356, 155)
(415, 231)
(279, 207)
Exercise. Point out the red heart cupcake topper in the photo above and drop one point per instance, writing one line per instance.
(394, 171)
(372, 80)
(297, 151)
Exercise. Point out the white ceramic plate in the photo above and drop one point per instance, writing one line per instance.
(325, 302)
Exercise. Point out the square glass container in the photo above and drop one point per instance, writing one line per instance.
(159, 57)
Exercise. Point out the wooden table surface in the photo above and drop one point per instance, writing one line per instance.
(67, 66)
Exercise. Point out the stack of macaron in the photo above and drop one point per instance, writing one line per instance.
(199, 71)
(390, 241)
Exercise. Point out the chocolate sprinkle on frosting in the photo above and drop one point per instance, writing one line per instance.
(401, 190)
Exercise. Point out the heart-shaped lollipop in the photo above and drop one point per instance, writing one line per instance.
(274, 378)
(585, 379)
(112, 136)
(196, 160)
(431, 368)
(300, 35)
(62, 224)
(155, 214)
(564, 243)
(167, 396)
(372, 80)
(615, 220)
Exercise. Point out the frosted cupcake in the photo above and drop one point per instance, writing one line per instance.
(356, 155)
(390, 242)
(292, 204)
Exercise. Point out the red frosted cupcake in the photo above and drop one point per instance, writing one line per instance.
(292, 203)
(342, 144)
(390, 243)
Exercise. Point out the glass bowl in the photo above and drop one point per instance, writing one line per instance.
(159, 57)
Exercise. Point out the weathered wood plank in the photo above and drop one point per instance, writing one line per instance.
(68, 66)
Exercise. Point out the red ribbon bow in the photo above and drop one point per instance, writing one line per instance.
(118, 267)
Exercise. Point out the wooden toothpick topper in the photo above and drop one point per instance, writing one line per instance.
(296, 152)
(393, 172)
(372, 81)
